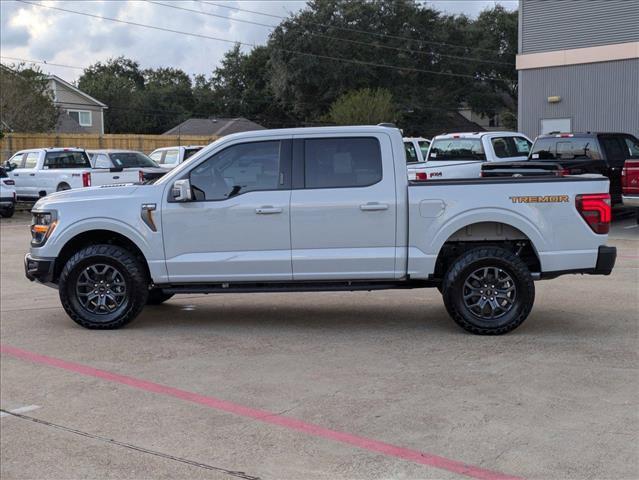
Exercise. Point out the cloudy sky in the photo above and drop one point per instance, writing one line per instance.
(32, 32)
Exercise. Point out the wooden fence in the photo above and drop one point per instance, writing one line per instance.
(12, 142)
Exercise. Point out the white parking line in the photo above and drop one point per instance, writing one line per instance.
(631, 226)
(25, 409)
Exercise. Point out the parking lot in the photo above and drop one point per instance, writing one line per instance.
(323, 385)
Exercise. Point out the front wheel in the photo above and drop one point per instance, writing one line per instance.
(488, 291)
(103, 287)
(8, 212)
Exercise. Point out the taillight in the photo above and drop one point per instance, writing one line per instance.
(596, 210)
(140, 176)
(563, 172)
(86, 179)
(421, 176)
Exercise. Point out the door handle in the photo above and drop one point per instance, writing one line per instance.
(373, 206)
(32, 174)
(116, 177)
(267, 210)
(16, 174)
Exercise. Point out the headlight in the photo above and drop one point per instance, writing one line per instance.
(42, 226)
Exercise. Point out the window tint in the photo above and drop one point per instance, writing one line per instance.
(171, 157)
(456, 149)
(238, 169)
(66, 160)
(411, 153)
(342, 162)
(423, 146)
(131, 159)
(189, 152)
(565, 149)
(613, 147)
(31, 160)
(543, 149)
(632, 144)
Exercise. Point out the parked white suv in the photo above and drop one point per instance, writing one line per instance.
(317, 209)
(171, 157)
(7, 195)
(41, 171)
(461, 155)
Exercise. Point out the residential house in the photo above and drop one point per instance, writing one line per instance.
(214, 126)
(79, 112)
(578, 66)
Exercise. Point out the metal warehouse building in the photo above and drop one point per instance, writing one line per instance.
(578, 66)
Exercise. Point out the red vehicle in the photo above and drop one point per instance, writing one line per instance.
(630, 184)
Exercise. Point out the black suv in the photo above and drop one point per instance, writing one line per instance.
(577, 153)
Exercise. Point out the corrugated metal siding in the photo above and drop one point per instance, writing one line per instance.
(597, 97)
(548, 25)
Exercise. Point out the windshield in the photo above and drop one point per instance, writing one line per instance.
(131, 159)
(457, 149)
(66, 160)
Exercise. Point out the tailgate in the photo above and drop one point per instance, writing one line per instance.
(104, 176)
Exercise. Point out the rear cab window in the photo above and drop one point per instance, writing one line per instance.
(456, 149)
(342, 162)
(506, 147)
(411, 153)
(66, 159)
(566, 148)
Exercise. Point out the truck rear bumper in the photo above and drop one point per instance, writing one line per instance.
(606, 257)
(630, 200)
(39, 269)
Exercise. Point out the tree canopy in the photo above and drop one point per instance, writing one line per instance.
(428, 63)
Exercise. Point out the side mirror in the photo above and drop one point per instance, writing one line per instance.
(181, 190)
(8, 166)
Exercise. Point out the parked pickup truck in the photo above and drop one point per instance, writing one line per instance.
(317, 209)
(42, 171)
(7, 195)
(630, 185)
(578, 153)
(461, 155)
(171, 157)
(129, 161)
(416, 149)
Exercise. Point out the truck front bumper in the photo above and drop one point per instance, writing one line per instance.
(39, 269)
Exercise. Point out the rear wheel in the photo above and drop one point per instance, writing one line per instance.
(103, 287)
(8, 212)
(62, 187)
(157, 296)
(488, 291)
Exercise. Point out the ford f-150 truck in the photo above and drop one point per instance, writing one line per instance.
(41, 171)
(317, 209)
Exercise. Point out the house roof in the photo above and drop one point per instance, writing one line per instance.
(70, 86)
(214, 126)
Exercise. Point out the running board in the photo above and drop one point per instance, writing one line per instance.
(264, 287)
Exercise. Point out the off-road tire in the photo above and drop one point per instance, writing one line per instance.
(469, 262)
(157, 296)
(135, 278)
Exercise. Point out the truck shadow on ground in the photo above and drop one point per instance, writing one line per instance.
(419, 318)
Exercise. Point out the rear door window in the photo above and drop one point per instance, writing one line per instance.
(411, 153)
(342, 162)
(30, 160)
(456, 149)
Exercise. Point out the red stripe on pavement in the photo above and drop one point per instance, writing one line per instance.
(265, 416)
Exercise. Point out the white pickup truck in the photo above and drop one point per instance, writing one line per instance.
(41, 171)
(461, 155)
(171, 157)
(317, 209)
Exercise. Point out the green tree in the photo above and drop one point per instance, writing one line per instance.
(26, 102)
(167, 98)
(118, 83)
(363, 107)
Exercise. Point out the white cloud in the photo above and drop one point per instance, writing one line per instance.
(37, 33)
